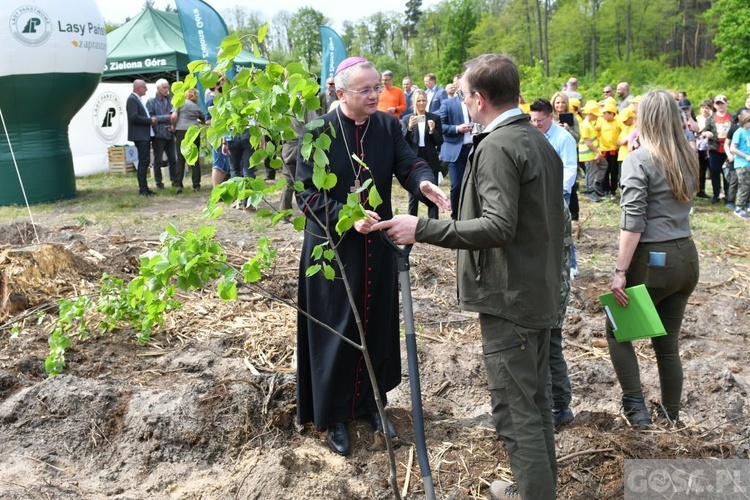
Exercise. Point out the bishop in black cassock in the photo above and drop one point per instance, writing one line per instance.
(333, 386)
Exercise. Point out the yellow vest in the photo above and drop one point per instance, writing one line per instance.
(588, 131)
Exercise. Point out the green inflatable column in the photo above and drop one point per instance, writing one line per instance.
(52, 55)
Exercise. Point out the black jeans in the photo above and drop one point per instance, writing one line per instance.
(413, 207)
(703, 164)
(180, 168)
(715, 164)
(239, 156)
(144, 158)
(162, 146)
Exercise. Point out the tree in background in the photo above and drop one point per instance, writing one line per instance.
(457, 26)
(409, 29)
(244, 23)
(304, 35)
(732, 36)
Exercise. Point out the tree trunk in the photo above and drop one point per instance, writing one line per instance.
(546, 37)
(683, 55)
(528, 34)
(628, 32)
(539, 28)
(594, 8)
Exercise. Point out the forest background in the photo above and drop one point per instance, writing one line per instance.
(699, 46)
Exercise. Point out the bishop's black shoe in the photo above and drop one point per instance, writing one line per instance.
(377, 424)
(338, 439)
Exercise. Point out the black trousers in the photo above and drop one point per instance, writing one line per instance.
(144, 150)
(162, 146)
(413, 207)
(180, 168)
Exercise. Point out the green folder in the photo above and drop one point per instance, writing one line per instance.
(638, 320)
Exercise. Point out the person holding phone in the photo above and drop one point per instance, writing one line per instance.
(423, 131)
(564, 115)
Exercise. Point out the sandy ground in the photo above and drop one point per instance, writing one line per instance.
(207, 410)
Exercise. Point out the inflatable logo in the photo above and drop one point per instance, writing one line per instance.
(109, 117)
(30, 25)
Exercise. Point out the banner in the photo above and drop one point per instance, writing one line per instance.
(203, 30)
(333, 53)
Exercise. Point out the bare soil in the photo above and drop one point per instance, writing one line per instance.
(207, 410)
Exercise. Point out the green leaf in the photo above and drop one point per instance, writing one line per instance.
(190, 81)
(329, 272)
(344, 224)
(319, 177)
(208, 78)
(227, 290)
(197, 66)
(258, 157)
(251, 271)
(317, 252)
(312, 270)
(330, 181)
(299, 222)
(328, 254)
(296, 68)
(262, 33)
(299, 186)
(320, 157)
(323, 142)
(375, 200)
(306, 150)
(274, 70)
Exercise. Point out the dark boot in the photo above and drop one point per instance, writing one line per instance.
(670, 416)
(636, 411)
(377, 424)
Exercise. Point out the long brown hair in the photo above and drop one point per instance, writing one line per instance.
(662, 135)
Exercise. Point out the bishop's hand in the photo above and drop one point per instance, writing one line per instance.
(364, 226)
(435, 195)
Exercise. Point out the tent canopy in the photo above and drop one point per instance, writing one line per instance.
(152, 43)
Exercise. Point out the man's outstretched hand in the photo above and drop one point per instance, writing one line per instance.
(400, 229)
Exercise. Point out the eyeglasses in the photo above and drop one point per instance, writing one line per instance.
(462, 95)
(365, 92)
(608, 91)
(537, 121)
(330, 83)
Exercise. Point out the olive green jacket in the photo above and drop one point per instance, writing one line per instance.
(510, 225)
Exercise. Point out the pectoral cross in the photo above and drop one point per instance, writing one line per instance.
(355, 187)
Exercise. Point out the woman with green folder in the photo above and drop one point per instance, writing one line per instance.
(656, 248)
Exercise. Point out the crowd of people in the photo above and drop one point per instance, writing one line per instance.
(512, 201)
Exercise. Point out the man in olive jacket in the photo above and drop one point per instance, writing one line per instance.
(509, 234)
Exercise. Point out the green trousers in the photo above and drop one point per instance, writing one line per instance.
(517, 364)
(670, 287)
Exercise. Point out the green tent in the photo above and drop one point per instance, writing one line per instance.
(152, 44)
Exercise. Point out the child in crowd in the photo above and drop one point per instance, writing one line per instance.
(741, 149)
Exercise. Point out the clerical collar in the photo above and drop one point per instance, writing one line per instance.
(361, 122)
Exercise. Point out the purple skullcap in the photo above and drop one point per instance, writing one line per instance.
(349, 62)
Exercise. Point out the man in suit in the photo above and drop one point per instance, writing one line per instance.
(409, 89)
(435, 93)
(140, 132)
(457, 127)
